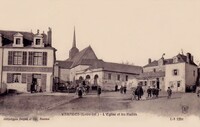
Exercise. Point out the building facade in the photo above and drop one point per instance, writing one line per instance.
(26, 56)
(108, 75)
(178, 73)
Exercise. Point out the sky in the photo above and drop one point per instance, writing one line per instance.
(118, 30)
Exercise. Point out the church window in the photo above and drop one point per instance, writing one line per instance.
(109, 76)
(126, 77)
(118, 77)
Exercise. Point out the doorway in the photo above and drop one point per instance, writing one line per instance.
(158, 83)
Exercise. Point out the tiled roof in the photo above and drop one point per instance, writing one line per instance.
(92, 62)
(84, 57)
(147, 75)
(123, 68)
(116, 67)
(64, 64)
(8, 37)
(154, 63)
(181, 59)
(86, 53)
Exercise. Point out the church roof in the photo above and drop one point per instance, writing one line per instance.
(84, 57)
(117, 67)
(88, 57)
(122, 68)
(86, 53)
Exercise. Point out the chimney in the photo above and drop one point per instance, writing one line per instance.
(0, 40)
(49, 37)
(38, 31)
(192, 58)
(188, 57)
(149, 61)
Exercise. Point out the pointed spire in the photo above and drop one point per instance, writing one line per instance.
(74, 39)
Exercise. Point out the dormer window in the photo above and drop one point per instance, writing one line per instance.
(175, 59)
(18, 40)
(38, 41)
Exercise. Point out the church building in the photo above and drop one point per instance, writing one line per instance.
(85, 65)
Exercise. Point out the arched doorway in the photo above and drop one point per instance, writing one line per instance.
(87, 80)
(80, 80)
(87, 77)
(94, 87)
(96, 79)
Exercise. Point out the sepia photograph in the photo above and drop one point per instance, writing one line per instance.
(100, 63)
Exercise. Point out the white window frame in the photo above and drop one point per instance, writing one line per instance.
(17, 58)
(16, 75)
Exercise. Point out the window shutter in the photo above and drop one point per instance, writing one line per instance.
(23, 78)
(9, 78)
(30, 58)
(43, 79)
(44, 58)
(24, 58)
(29, 82)
(10, 57)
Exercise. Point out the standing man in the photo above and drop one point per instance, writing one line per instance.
(149, 91)
(116, 87)
(99, 91)
(121, 89)
(125, 88)
(169, 92)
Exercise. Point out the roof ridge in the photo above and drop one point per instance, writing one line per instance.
(16, 31)
(122, 64)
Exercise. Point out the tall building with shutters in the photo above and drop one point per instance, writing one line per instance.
(25, 56)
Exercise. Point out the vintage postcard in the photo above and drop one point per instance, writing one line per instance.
(100, 63)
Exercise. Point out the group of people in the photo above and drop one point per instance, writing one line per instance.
(35, 88)
(83, 90)
(152, 92)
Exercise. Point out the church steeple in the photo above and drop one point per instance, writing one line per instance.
(74, 50)
(74, 39)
